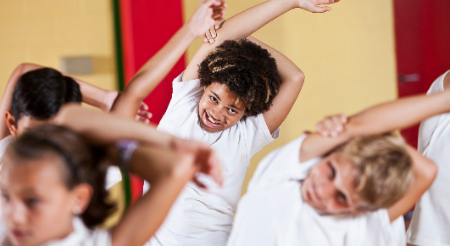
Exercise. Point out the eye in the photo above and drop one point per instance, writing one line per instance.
(232, 111)
(5, 196)
(331, 171)
(30, 202)
(341, 198)
(213, 99)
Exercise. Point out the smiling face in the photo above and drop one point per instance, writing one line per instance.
(31, 213)
(330, 186)
(219, 108)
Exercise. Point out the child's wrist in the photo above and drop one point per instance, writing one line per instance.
(189, 31)
(292, 4)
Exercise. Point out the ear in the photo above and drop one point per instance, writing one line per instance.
(11, 123)
(83, 194)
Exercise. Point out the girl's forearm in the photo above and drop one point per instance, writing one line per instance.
(103, 128)
(151, 74)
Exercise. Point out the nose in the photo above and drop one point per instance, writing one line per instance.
(16, 213)
(218, 113)
(326, 190)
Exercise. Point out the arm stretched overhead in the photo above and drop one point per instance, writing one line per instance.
(151, 74)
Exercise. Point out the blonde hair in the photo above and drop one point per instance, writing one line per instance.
(384, 166)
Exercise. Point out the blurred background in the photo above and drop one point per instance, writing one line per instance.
(361, 53)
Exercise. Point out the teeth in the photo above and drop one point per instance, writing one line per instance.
(210, 119)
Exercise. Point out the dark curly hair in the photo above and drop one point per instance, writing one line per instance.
(82, 164)
(248, 70)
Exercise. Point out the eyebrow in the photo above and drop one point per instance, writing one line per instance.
(229, 105)
(215, 94)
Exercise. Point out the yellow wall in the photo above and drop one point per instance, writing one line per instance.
(347, 56)
(42, 31)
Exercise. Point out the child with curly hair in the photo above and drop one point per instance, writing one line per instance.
(233, 95)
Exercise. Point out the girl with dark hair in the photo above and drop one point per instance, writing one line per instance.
(52, 179)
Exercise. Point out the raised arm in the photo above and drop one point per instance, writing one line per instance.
(92, 95)
(292, 81)
(151, 74)
(379, 119)
(424, 171)
(247, 22)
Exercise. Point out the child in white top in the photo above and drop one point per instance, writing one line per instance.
(431, 218)
(340, 190)
(53, 179)
(233, 95)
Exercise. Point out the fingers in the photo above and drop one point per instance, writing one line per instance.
(143, 106)
(332, 126)
(142, 119)
(210, 35)
(323, 9)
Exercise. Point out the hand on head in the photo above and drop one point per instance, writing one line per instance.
(208, 13)
(143, 115)
(332, 126)
(206, 160)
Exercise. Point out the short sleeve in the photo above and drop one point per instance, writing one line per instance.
(258, 134)
(99, 237)
(4, 143)
(253, 224)
(184, 91)
(428, 126)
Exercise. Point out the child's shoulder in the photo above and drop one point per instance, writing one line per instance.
(4, 144)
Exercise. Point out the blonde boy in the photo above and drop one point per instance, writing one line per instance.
(344, 190)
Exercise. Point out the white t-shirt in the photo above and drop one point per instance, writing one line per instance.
(81, 236)
(272, 212)
(201, 217)
(3, 145)
(431, 219)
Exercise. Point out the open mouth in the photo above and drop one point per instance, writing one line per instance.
(210, 121)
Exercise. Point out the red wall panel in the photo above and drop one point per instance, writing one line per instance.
(146, 25)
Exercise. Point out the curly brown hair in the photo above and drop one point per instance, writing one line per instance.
(247, 69)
